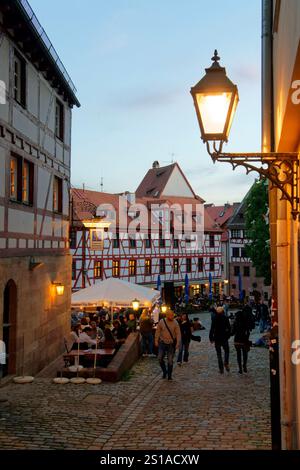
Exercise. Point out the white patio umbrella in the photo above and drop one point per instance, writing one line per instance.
(114, 292)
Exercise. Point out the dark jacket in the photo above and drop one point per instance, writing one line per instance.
(242, 326)
(185, 330)
(220, 328)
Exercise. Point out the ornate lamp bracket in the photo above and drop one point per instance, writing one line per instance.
(281, 169)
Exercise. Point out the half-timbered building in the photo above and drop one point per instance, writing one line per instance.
(35, 150)
(144, 254)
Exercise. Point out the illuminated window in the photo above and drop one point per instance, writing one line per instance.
(21, 180)
(116, 268)
(13, 177)
(176, 266)
(25, 182)
(147, 267)
(132, 267)
(97, 269)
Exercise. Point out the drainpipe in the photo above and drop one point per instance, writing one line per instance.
(268, 146)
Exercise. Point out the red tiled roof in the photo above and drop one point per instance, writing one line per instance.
(154, 181)
(220, 214)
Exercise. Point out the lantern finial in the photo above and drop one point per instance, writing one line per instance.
(215, 59)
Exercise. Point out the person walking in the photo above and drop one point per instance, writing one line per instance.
(146, 326)
(186, 334)
(243, 324)
(167, 339)
(219, 334)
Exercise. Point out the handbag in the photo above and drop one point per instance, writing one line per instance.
(174, 339)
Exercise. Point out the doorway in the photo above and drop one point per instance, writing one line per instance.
(9, 335)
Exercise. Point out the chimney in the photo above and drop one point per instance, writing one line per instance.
(155, 164)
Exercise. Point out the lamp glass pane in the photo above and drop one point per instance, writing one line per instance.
(232, 114)
(213, 109)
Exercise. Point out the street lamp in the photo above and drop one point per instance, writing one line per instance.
(135, 304)
(59, 287)
(215, 99)
(164, 309)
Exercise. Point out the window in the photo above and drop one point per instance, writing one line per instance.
(21, 180)
(162, 242)
(176, 266)
(13, 177)
(148, 242)
(147, 267)
(132, 243)
(246, 271)
(211, 264)
(116, 241)
(235, 252)
(20, 80)
(235, 233)
(116, 268)
(188, 265)
(236, 270)
(132, 267)
(175, 243)
(97, 269)
(73, 239)
(200, 264)
(162, 266)
(243, 252)
(73, 270)
(57, 194)
(233, 286)
(211, 241)
(59, 120)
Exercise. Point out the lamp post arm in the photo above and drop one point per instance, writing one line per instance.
(281, 169)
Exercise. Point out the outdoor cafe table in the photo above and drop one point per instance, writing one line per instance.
(88, 353)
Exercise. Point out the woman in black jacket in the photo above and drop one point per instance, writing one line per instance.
(219, 334)
(242, 326)
(186, 334)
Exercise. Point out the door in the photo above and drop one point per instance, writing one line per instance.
(9, 335)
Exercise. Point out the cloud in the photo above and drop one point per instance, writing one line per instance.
(146, 99)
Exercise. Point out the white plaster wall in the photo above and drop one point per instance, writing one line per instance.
(177, 185)
(32, 90)
(20, 221)
(47, 225)
(43, 185)
(65, 198)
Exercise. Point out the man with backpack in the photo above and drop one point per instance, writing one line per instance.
(219, 334)
(244, 322)
(167, 339)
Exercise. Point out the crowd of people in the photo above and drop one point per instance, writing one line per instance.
(164, 335)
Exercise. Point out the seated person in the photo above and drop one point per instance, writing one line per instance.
(131, 324)
(85, 339)
(119, 332)
(97, 333)
(109, 341)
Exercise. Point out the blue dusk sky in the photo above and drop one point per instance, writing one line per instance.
(133, 63)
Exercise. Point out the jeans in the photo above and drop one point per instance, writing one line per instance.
(164, 349)
(218, 347)
(147, 343)
(183, 350)
(263, 323)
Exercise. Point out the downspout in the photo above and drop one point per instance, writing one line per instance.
(268, 146)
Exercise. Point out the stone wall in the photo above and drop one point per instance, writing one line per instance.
(43, 317)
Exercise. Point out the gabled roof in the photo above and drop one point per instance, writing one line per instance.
(154, 181)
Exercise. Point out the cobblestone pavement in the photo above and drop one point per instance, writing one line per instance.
(199, 409)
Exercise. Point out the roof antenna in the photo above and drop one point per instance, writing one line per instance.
(101, 184)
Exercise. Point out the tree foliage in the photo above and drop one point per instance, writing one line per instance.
(258, 233)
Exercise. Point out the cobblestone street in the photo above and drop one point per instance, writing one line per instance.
(199, 409)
